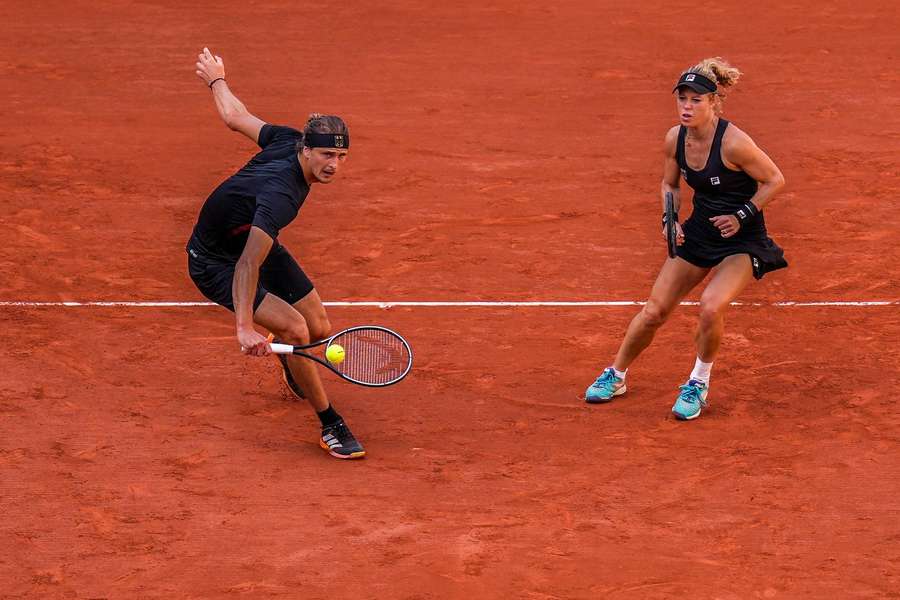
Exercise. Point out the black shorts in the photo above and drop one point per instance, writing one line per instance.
(279, 274)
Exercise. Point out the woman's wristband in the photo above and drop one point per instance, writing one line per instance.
(215, 80)
(748, 211)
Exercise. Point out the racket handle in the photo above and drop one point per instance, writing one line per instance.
(281, 348)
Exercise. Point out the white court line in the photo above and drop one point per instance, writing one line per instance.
(486, 304)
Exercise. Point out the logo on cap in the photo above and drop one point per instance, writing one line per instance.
(338, 141)
(714, 180)
(689, 77)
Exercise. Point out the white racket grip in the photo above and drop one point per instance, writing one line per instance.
(281, 348)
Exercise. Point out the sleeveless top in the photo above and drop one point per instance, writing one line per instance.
(718, 190)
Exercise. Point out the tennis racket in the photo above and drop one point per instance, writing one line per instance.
(671, 230)
(373, 356)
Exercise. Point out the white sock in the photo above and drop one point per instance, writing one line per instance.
(701, 371)
(618, 373)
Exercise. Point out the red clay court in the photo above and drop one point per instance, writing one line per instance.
(504, 151)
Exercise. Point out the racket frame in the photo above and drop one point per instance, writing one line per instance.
(671, 230)
(279, 348)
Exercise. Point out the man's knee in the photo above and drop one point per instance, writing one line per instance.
(319, 329)
(296, 332)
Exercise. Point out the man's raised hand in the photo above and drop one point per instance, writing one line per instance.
(209, 67)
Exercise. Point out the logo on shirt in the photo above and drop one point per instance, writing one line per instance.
(690, 77)
(684, 173)
(714, 180)
(338, 141)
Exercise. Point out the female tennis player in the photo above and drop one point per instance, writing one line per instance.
(733, 180)
(234, 256)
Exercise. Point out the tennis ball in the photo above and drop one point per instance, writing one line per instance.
(335, 354)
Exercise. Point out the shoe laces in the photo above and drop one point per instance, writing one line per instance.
(691, 393)
(606, 377)
(341, 431)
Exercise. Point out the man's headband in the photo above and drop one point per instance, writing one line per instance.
(326, 140)
(697, 82)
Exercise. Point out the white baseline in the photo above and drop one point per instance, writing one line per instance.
(438, 304)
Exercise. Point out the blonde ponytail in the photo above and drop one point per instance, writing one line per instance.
(719, 70)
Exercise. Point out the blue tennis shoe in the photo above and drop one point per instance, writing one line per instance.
(605, 388)
(691, 400)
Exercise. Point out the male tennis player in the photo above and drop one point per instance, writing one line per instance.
(234, 256)
(733, 179)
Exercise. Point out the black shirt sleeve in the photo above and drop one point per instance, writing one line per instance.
(273, 133)
(276, 207)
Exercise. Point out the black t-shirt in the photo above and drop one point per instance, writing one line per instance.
(266, 193)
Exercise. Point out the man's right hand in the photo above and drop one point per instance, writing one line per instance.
(253, 343)
(209, 67)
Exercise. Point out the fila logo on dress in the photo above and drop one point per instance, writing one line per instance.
(714, 180)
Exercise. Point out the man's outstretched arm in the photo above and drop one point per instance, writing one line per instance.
(211, 69)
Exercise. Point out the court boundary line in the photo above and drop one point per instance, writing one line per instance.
(442, 304)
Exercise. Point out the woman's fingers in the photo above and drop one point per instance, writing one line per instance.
(726, 224)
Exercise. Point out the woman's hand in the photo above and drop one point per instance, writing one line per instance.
(679, 234)
(728, 225)
(209, 67)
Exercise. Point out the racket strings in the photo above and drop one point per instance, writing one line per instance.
(373, 356)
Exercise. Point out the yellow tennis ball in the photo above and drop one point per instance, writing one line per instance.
(335, 354)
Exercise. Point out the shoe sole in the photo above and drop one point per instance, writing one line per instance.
(618, 392)
(682, 417)
(324, 446)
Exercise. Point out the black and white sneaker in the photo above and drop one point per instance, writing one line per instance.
(339, 442)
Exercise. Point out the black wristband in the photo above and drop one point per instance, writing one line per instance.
(664, 218)
(746, 212)
(215, 80)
